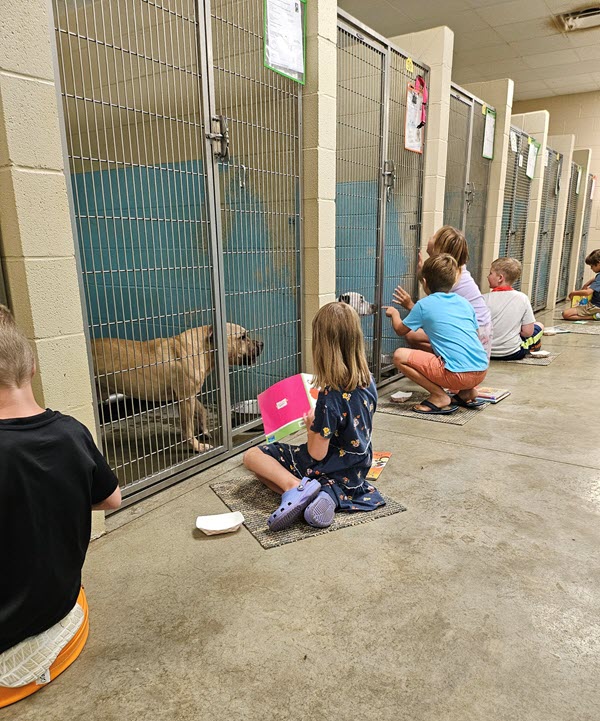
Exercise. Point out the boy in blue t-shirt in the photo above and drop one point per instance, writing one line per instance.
(590, 310)
(458, 360)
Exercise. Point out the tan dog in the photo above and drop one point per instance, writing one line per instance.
(167, 369)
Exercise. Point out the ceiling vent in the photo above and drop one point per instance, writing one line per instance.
(580, 20)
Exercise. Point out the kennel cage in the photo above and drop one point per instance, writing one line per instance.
(545, 241)
(379, 184)
(569, 235)
(585, 231)
(183, 153)
(467, 173)
(517, 191)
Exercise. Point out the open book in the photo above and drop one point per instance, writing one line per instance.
(284, 405)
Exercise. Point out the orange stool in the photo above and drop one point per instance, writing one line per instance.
(64, 659)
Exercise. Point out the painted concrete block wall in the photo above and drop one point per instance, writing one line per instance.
(37, 244)
(498, 93)
(535, 124)
(434, 47)
(577, 114)
(319, 158)
(563, 144)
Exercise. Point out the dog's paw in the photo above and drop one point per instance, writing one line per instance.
(200, 447)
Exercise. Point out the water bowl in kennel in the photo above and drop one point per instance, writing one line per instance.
(245, 411)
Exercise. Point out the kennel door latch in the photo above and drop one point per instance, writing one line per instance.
(220, 136)
(389, 177)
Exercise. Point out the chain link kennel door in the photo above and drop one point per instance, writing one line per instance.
(467, 174)
(585, 232)
(568, 237)
(516, 199)
(545, 243)
(151, 92)
(379, 182)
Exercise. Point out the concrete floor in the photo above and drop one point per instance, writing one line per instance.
(480, 603)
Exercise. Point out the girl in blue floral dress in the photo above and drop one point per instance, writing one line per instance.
(329, 471)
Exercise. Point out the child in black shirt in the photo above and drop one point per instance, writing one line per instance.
(51, 477)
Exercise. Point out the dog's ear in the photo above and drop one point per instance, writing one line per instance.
(344, 298)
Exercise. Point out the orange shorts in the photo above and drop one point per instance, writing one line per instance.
(64, 659)
(432, 367)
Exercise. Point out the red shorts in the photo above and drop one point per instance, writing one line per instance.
(434, 370)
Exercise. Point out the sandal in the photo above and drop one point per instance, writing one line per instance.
(435, 410)
(320, 512)
(293, 502)
(470, 405)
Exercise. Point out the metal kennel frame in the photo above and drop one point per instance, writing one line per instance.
(568, 237)
(517, 190)
(585, 231)
(545, 242)
(184, 161)
(379, 183)
(467, 173)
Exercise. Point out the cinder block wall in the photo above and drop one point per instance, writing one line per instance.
(319, 159)
(35, 227)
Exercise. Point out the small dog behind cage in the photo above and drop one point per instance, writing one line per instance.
(360, 304)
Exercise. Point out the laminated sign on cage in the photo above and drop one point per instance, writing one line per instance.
(284, 405)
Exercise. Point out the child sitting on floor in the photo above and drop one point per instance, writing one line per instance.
(516, 331)
(450, 240)
(51, 477)
(459, 360)
(329, 471)
(590, 310)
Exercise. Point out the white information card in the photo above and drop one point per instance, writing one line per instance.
(284, 43)
(488, 136)
(413, 135)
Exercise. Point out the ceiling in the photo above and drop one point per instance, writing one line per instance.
(515, 39)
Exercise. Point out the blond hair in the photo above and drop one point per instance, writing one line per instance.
(450, 240)
(510, 268)
(16, 357)
(339, 349)
(440, 273)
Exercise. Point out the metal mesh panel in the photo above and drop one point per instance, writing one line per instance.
(358, 163)
(403, 205)
(259, 193)
(567, 246)
(479, 176)
(545, 243)
(459, 139)
(377, 231)
(131, 85)
(585, 231)
(516, 202)
(161, 268)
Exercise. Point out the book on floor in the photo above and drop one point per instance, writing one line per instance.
(284, 405)
(492, 395)
(380, 459)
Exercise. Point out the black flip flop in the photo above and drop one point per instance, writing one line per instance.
(435, 410)
(469, 405)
